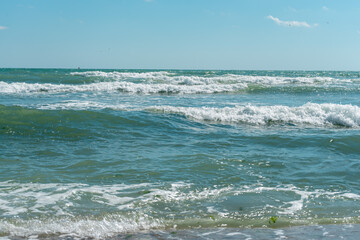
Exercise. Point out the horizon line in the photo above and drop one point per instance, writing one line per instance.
(181, 69)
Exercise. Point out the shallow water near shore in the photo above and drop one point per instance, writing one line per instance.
(347, 231)
(302, 232)
(179, 154)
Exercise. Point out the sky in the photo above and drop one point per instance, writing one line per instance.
(181, 34)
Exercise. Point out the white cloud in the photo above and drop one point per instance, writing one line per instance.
(3, 28)
(291, 23)
(325, 8)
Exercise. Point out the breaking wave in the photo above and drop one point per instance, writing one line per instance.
(309, 114)
(164, 82)
(168, 77)
(50, 207)
(127, 87)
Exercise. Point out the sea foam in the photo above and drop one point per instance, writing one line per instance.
(164, 82)
(131, 213)
(168, 77)
(127, 87)
(309, 114)
(72, 228)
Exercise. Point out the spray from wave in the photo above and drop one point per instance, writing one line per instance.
(309, 114)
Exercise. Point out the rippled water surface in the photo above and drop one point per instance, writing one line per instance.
(165, 153)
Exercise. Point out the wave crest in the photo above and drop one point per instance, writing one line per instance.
(308, 114)
(168, 77)
(127, 87)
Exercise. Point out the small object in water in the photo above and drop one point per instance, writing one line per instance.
(273, 219)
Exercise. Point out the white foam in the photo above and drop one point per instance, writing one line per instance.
(81, 105)
(248, 237)
(166, 82)
(180, 194)
(351, 196)
(280, 234)
(309, 114)
(127, 87)
(56, 198)
(293, 206)
(164, 76)
(122, 75)
(57, 201)
(211, 232)
(109, 226)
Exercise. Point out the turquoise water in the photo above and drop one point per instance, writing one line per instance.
(105, 153)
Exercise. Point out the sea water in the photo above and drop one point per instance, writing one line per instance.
(179, 154)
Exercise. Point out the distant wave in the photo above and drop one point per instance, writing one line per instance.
(309, 114)
(167, 77)
(163, 82)
(122, 75)
(127, 87)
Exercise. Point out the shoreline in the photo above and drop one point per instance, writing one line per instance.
(331, 231)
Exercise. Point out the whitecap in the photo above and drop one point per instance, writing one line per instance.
(168, 77)
(313, 114)
(126, 87)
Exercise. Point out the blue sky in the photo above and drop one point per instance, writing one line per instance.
(181, 34)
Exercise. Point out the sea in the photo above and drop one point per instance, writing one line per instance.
(179, 154)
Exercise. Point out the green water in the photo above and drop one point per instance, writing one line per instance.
(104, 153)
